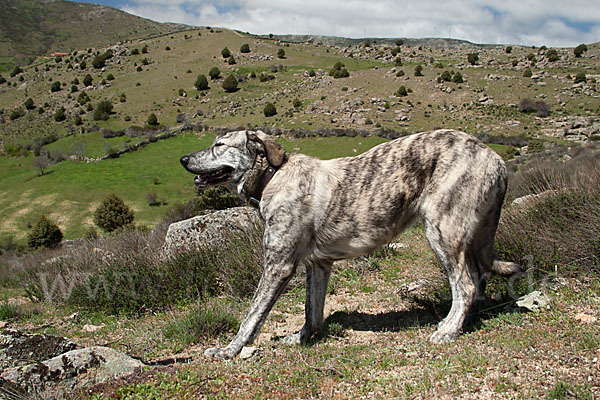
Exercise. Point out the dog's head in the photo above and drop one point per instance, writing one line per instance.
(231, 158)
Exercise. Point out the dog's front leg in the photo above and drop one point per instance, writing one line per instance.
(272, 283)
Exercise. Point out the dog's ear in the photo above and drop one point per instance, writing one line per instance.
(273, 151)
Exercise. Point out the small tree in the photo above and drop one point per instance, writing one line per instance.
(270, 110)
(230, 84)
(457, 78)
(245, 48)
(87, 80)
(280, 53)
(16, 71)
(472, 58)
(214, 73)
(152, 119)
(102, 110)
(45, 233)
(580, 77)
(59, 115)
(578, 51)
(55, 87)
(83, 98)
(113, 214)
(29, 104)
(225, 53)
(552, 55)
(401, 92)
(201, 82)
(41, 162)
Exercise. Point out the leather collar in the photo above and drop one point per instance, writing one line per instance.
(254, 195)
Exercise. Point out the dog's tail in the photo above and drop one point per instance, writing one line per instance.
(506, 268)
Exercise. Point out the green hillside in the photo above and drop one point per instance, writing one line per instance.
(33, 28)
(157, 75)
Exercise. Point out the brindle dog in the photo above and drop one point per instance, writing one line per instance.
(316, 212)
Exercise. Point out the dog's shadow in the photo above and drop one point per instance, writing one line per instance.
(392, 321)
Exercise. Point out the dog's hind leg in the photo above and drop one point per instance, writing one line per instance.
(462, 275)
(317, 279)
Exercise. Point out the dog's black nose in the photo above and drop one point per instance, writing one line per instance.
(184, 160)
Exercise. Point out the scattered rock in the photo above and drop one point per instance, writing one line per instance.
(586, 318)
(534, 301)
(92, 328)
(18, 349)
(249, 352)
(208, 229)
(73, 370)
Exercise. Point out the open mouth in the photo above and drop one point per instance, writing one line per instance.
(213, 177)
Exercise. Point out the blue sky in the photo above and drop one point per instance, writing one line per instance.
(528, 22)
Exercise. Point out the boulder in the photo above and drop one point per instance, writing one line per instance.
(73, 370)
(209, 229)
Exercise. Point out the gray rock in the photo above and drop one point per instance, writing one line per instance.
(248, 352)
(19, 349)
(70, 371)
(534, 301)
(209, 229)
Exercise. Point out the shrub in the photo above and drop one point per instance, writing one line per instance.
(78, 121)
(580, 77)
(2, 80)
(398, 61)
(99, 61)
(87, 80)
(45, 233)
(16, 71)
(113, 214)
(312, 73)
(82, 65)
(214, 73)
(401, 92)
(561, 226)
(528, 106)
(16, 114)
(122, 98)
(230, 84)
(102, 110)
(59, 115)
(446, 76)
(74, 89)
(245, 48)
(297, 103)
(508, 49)
(338, 71)
(578, 51)
(225, 53)
(110, 77)
(231, 60)
(209, 320)
(201, 82)
(280, 53)
(270, 110)
(419, 70)
(83, 98)
(28, 104)
(527, 73)
(473, 58)
(55, 86)
(144, 49)
(552, 55)
(135, 51)
(152, 120)
(457, 78)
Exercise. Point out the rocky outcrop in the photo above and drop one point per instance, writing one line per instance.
(67, 369)
(209, 229)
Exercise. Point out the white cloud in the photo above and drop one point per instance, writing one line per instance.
(530, 22)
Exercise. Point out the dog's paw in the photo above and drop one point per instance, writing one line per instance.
(216, 352)
(442, 336)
